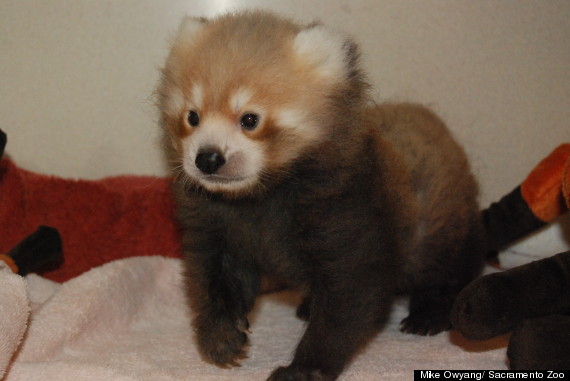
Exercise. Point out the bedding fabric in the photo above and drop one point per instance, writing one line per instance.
(128, 320)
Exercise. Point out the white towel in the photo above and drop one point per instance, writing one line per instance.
(128, 320)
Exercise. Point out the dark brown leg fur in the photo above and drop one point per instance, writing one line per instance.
(221, 288)
(333, 334)
(430, 305)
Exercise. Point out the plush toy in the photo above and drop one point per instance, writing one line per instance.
(533, 300)
(99, 221)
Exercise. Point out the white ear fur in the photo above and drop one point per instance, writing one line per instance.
(189, 27)
(325, 49)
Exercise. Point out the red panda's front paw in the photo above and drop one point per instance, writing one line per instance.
(223, 342)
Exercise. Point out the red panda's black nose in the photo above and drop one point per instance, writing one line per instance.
(209, 162)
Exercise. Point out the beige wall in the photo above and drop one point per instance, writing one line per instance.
(77, 78)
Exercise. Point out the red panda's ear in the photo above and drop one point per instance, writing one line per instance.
(189, 26)
(331, 53)
(171, 97)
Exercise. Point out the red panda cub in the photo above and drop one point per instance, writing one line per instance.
(288, 170)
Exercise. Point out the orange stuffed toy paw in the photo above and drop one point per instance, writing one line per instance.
(548, 185)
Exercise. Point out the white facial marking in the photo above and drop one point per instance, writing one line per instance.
(240, 99)
(297, 120)
(196, 96)
(291, 118)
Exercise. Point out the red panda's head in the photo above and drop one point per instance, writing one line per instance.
(242, 96)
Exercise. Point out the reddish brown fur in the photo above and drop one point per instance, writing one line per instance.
(355, 204)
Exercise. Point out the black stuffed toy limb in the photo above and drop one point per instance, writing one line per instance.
(541, 344)
(40, 251)
(533, 300)
(496, 303)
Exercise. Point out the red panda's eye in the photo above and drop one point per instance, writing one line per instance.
(249, 121)
(193, 118)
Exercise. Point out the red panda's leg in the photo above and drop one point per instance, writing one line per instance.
(222, 288)
(343, 317)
